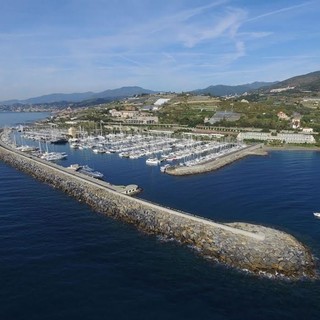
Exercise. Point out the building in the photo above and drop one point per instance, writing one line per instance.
(281, 89)
(72, 131)
(224, 115)
(282, 116)
(281, 137)
(161, 101)
(142, 120)
(296, 121)
(149, 108)
(134, 117)
(123, 114)
(307, 130)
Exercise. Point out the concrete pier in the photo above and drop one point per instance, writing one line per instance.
(240, 245)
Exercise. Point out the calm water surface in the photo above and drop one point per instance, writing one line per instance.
(61, 260)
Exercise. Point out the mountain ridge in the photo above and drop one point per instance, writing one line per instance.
(305, 82)
(226, 90)
(309, 81)
(79, 97)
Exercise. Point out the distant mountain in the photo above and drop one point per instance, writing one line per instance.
(306, 82)
(224, 90)
(77, 97)
(121, 92)
(57, 97)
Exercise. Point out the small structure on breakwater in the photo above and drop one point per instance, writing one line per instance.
(245, 246)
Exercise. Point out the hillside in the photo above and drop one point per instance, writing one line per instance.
(306, 82)
(224, 90)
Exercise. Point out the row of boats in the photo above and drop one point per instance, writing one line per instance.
(157, 149)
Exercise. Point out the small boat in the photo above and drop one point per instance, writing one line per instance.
(74, 145)
(98, 150)
(74, 167)
(316, 214)
(164, 168)
(59, 140)
(26, 148)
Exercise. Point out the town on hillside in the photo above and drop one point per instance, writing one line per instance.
(282, 113)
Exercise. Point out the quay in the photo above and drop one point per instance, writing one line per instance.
(217, 163)
(255, 248)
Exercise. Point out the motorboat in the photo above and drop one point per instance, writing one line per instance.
(53, 156)
(90, 172)
(152, 161)
(74, 167)
(98, 150)
(59, 140)
(316, 214)
(26, 148)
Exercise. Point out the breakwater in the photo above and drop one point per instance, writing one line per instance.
(217, 163)
(240, 245)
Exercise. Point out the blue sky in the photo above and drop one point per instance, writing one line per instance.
(69, 46)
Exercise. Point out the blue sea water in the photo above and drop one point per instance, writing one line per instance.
(61, 260)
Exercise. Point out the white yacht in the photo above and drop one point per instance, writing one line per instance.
(152, 161)
(90, 172)
(53, 156)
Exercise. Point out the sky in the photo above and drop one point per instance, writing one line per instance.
(66, 46)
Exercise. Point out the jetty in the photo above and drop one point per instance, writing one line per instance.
(217, 163)
(255, 248)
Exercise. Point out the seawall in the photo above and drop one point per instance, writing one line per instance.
(240, 245)
(217, 163)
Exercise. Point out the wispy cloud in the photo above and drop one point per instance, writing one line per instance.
(227, 26)
(275, 12)
(167, 45)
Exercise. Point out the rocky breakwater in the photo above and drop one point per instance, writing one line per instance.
(217, 163)
(244, 246)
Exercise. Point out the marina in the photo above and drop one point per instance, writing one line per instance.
(156, 148)
(240, 245)
(60, 235)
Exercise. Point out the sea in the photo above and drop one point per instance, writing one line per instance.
(61, 260)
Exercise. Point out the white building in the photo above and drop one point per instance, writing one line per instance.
(282, 137)
(161, 101)
(143, 120)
